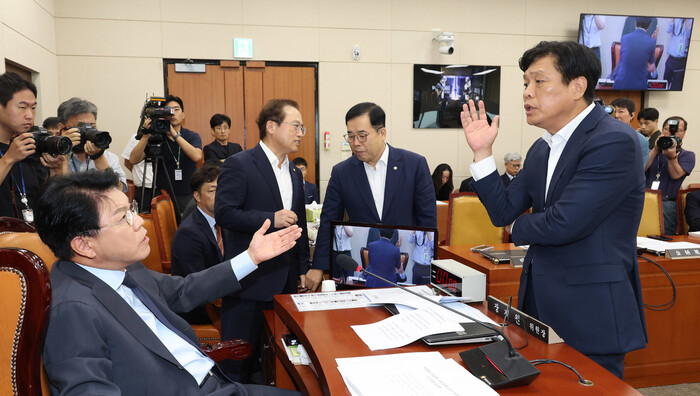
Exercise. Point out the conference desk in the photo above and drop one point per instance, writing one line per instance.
(673, 353)
(327, 335)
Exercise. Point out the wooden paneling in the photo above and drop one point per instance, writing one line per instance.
(253, 99)
(234, 102)
(202, 95)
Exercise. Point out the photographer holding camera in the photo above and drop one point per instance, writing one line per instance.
(24, 164)
(667, 167)
(77, 120)
(181, 149)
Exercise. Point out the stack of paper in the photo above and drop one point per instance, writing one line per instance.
(420, 374)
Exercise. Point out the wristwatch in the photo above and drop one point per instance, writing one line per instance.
(177, 136)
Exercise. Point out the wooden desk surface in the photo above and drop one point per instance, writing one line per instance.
(327, 335)
(672, 355)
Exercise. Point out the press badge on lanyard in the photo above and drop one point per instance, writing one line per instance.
(655, 184)
(178, 174)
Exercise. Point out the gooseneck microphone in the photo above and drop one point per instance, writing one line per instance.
(498, 363)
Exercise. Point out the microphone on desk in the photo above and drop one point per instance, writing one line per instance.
(498, 363)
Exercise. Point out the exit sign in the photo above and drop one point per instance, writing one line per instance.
(243, 48)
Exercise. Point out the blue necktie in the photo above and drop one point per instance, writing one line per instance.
(141, 294)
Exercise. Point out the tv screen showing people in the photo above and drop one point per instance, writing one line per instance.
(638, 53)
(439, 91)
(400, 254)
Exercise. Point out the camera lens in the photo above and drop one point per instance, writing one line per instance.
(664, 142)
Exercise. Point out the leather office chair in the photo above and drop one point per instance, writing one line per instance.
(153, 261)
(130, 190)
(25, 296)
(682, 228)
(658, 52)
(364, 256)
(468, 223)
(652, 222)
(165, 224)
(614, 54)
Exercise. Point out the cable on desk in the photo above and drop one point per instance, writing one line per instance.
(581, 381)
(667, 305)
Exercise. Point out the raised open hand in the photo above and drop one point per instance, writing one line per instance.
(480, 135)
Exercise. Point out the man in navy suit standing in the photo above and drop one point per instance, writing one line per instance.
(378, 184)
(255, 185)
(310, 189)
(637, 59)
(580, 274)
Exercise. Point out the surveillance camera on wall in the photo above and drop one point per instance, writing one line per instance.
(447, 41)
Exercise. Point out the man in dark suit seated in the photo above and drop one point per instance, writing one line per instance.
(384, 259)
(198, 242)
(378, 184)
(512, 162)
(113, 324)
(310, 189)
(692, 210)
(581, 274)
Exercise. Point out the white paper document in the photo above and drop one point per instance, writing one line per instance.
(449, 315)
(405, 328)
(395, 295)
(330, 300)
(419, 374)
(662, 246)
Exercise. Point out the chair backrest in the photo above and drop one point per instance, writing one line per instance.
(404, 260)
(614, 54)
(153, 260)
(468, 223)
(682, 228)
(25, 296)
(652, 222)
(130, 190)
(364, 256)
(163, 213)
(658, 51)
(15, 233)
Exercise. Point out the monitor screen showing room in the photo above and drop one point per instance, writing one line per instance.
(638, 53)
(439, 91)
(353, 238)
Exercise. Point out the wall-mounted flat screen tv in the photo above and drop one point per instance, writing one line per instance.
(439, 91)
(638, 53)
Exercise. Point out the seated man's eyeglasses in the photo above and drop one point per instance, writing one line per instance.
(297, 127)
(128, 216)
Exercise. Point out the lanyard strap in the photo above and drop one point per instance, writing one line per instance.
(179, 150)
(23, 190)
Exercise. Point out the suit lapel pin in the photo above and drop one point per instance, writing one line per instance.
(396, 167)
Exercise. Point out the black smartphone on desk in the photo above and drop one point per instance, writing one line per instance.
(660, 238)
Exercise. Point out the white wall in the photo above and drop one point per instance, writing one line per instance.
(111, 52)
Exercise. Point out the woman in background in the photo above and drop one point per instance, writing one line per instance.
(442, 181)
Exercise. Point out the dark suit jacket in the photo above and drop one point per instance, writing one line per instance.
(409, 197)
(582, 257)
(246, 195)
(505, 179)
(692, 210)
(636, 51)
(382, 257)
(195, 249)
(97, 344)
(310, 193)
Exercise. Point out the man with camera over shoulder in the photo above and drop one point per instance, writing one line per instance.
(77, 120)
(180, 149)
(24, 164)
(667, 167)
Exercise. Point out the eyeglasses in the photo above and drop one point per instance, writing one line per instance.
(361, 137)
(128, 216)
(297, 127)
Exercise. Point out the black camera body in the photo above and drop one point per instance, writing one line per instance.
(666, 142)
(88, 133)
(160, 114)
(47, 143)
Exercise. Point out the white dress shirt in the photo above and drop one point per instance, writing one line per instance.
(341, 239)
(377, 179)
(284, 179)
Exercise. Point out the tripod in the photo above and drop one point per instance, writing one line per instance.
(154, 159)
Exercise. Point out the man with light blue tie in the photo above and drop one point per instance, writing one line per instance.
(113, 325)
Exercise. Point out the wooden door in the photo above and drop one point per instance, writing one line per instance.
(240, 91)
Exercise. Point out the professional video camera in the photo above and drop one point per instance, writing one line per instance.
(666, 142)
(160, 114)
(100, 139)
(47, 143)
